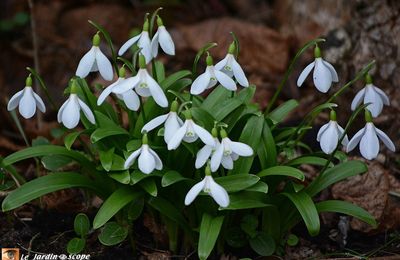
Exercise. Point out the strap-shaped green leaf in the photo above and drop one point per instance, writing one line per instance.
(209, 231)
(237, 182)
(280, 113)
(104, 132)
(282, 171)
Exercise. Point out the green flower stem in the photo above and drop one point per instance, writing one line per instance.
(289, 71)
(153, 20)
(142, 110)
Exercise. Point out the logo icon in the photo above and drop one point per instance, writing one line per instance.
(10, 254)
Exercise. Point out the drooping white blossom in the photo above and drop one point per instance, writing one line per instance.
(205, 153)
(143, 42)
(329, 135)
(210, 78)
(324, 73)
(373, 95)
(69, 113)
(162, 38)
(148, 159)
(95, 60)
(368, 139)
(26, 100)
(232, 68)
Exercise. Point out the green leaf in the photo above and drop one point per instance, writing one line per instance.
(200, 53)
(347, 208)
(282, 171)
(312, 160)
(160, 71)
(106, 158)
(209, 231)
(280, 113)
(171, 177)
(336, 174)
(135, 209)
(218, 95)
(70, 138)
(292, 240)
(54, 162)
(249, 224)
(263, 244)
(149, 185)
(81, 224)
(307, 209)
(119, 199)
(266, 151)
(76, 245)
(137, 176)
(223, 109)
(246, 94)
(112, 234)
(202, 115)
(258, 187)
(245, 201)
(171, 79)
(47, 184)
(237, 182)
(122, 177)
(104, 132)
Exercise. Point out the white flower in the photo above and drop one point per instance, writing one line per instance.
(371, 94)
(144, 85)
(26, 100)
(69, 113)
(369, 143)
(143, 42)
(328, 136)
(172, 124)
(148, 159)
(324, 73)
(210, 78)
(231, 67)
(95, 60)
(227, 152)
(208, 185)
(204, 153)
(190, 132)
(129, 97)
(163, 38)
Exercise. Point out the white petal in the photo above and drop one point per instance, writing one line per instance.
(131, 100)
(216, 157)
(355, 140)
(345, 140)
(304, 73)
(131, 158)
(159, 164)
(202, 156)
(39, 102)
(172, 125)
(70, 115)
(386, 140)
(86, 63)
(329, 139)
(358, 99)
(240, 148)
(178, 136)
(166, 42)
(322, 76)
(200, 83)
(86, 110)
(145, 44)
(27, 104)
(204, 135)
(221, 64)
(104, 65)
(219, 194)
(146, 161)
(126, 85)
(60, 111)
(193, 192)
(371, 96)
(335, 77)
(225, 80)
(156, 92)
(14, 101)
(239, 74)
(154, 44)
(383, 95)
(155, 122)
(369, 144)
(321, 130)
(227, 162)
(107, 91)
(128, 44)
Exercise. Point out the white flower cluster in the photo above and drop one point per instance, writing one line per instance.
(331, 133)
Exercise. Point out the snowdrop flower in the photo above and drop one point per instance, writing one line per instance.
(228, 151)
(208, 185)
(69, 113)
(371, 94)
(329, 134)
(143, 42)
(163, 38)
(172, 122)
(206, 151)
(95, 60)
(190, 132)
(210, 78)
(129, 97)
(368, 139)
(148, 159)
(144, 85)
(231, 67)
(26, 100)
(324, 73)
